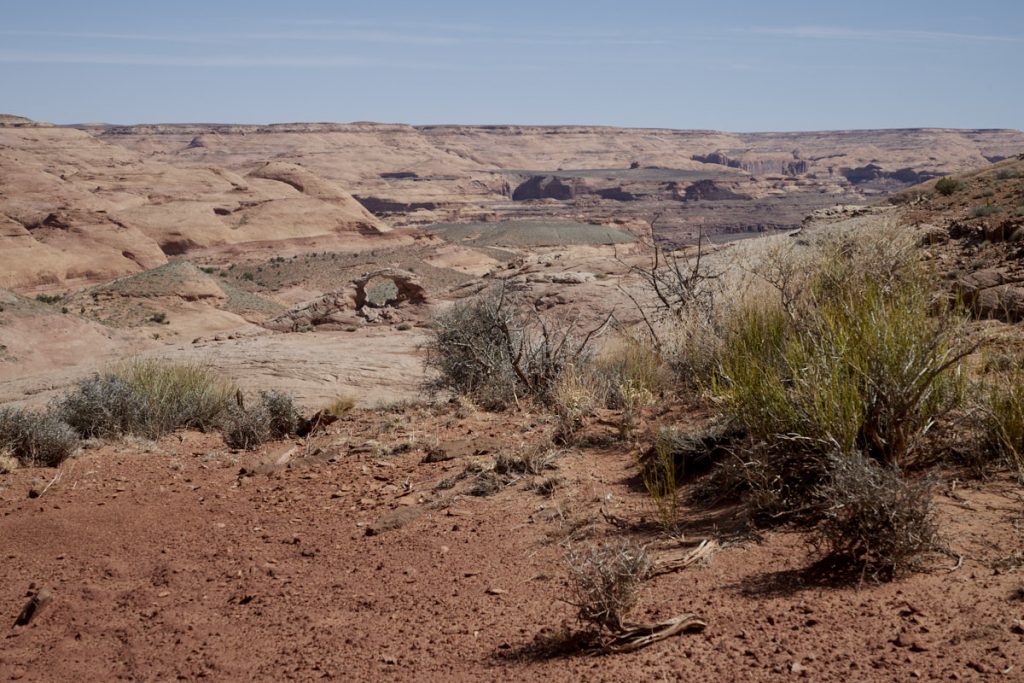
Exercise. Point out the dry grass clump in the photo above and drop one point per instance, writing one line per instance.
(1002, 409)
(36, 438)
(605, 582)
(8, 463)
(578, 392)
(339, 406)
(874, 518)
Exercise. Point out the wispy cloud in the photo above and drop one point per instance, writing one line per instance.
(240, 61)
(876, 35)
(439, 35)
(291, 35)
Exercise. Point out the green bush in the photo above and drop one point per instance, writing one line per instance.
(36, 438)
(947, 186)
(867, 370)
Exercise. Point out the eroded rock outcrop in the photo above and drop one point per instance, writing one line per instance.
(543, 187)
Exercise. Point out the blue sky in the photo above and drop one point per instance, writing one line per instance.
(739, 65)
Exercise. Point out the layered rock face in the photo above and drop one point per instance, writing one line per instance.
(85, 204)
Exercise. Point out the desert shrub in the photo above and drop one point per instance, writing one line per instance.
(947, 186)
(629, 363)
(496, 348)
(577, 393)
(862, 361)
(147, 398)
(875, 518)
(36, 438)
(986, 210)
(246, 428)
(105, 406)
(284, 418)
(605, 582)
(1009, 174)
(49, 298)
(868, 369)
(248, 424)
(533, 460)
(1002, 409)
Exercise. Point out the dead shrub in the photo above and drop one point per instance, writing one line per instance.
(874, 518)
(497, 348)
(605, 582)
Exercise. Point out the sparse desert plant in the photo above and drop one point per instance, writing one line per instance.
(36, 438)
(868, 369)
(497, 348)
(284, 418)
(246, 428)
(526, 460)
(1002, 408)
(661, 480)
(105, 406)
(8, 463)
(578, 392)
(627, 362)
(874, 518)
(605, 582)
(947, 186)
(633, 397)
(339, 406)
(985, 210)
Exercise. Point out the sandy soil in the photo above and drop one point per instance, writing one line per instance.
(165, 563)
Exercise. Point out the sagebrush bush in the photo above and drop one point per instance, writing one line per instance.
(248, 424)
(36, 438)
(105, 406)
(605, 582)
(874, 518)
(146, 398)
(283, 416)
(246, 428)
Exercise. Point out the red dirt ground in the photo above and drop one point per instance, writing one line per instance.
(168, 564)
